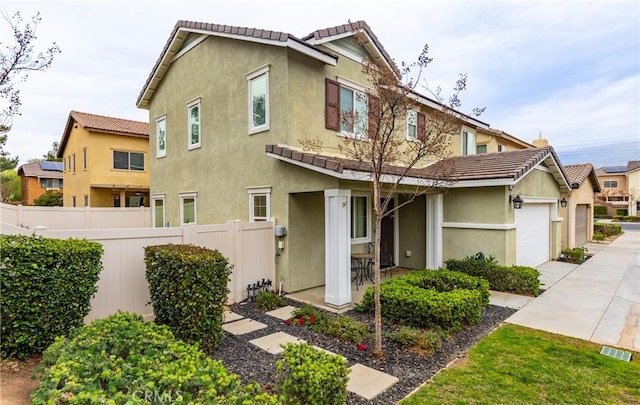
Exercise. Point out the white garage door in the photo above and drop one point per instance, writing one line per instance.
(532, 234)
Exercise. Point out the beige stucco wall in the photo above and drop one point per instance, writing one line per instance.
(100, 147)
(633, 182)
(412, 234)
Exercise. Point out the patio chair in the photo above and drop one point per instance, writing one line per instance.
(386, 260)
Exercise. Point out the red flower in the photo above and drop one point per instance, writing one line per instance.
(288, 321)
(300, 321)
(312, 318)
(362, 346)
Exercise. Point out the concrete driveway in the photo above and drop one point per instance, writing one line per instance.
(597, 301)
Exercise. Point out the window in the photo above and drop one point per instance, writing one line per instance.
(134, 201)
(157, 211)
(51, 183)
(481, 149)
(258, 100)
(412, 125)
(84, 159)
(116, 201)
(360, 225)
(161, 137)
(502, 148)
(128, 160)
(259, 204)
(193, 113)
(64, 165)
(86, 200)
(468, 143)
(611, 184)
(73, 201)
(74, 162)
(188, 208)
(347, 108)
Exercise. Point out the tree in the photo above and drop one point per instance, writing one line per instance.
(379, 141)
(52, 155)
(10, 186)
(6, 162)
(51, 198)
(17, 60)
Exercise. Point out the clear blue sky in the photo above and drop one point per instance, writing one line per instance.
(567, 69)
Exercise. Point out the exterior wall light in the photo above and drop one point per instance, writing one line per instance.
(563, 202)
(517, 201)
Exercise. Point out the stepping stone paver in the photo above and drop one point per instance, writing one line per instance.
(230, 316)
(328, 352)
(243, 326)
(283, 313)
(367, 382)
(272, 342)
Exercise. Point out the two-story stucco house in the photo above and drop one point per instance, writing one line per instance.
(620, 188)
(105, 161)
(228, 107)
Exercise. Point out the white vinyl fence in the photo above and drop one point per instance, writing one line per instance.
(249, 246)
(75, 218)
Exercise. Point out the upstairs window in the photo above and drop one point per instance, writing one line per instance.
(415, 125)
(193, 118)
(128, 160)
(611, 184)
(468, 143)
(481, 149)
(84, 159)
(347, 109)
(258, 100)
(502, 148)
(161, 137)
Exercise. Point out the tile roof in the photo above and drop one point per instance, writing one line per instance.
(500, 133)
(103, 123)
(633, 165)
(350, 27)
(487, 166)
(578, 173)
(35, 170)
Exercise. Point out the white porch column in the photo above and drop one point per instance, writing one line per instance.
(434, 231)
(337, 272)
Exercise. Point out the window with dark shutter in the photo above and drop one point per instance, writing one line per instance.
(422, 130)
(332, 107)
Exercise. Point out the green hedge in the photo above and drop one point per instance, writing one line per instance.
(607, 229)
(627, 218)
(312, 376)
(599, 210)
(513, 279)
(122, 360)
(575, 255)
(188, 288)
(46, 289)
(431, 298)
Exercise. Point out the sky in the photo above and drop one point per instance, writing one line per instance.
(568, 70)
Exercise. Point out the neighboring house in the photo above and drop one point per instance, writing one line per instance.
(494, 140)
(105, 161)
(228, 107)
(620, 188)
(577, 227)
(39, 177)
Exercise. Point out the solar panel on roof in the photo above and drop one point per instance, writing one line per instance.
(52, 166)
(615, 169)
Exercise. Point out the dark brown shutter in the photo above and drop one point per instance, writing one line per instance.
(374, 115)
(421, 127)
(332, 107)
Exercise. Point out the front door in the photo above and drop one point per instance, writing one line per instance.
(387, 237)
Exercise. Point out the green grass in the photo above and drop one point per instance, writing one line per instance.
(517, 365)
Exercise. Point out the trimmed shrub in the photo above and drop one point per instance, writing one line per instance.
(47, 286)
(268, 301)
(622, 212)
(311, 376)
(602, 217)
(51, 198)
(599, 237)
(188, 289)
(618, 217)
(121, 359)
(347, 329)
(631, 218)
(423, 341)
(575, 255)
(514, 279)
(607, 229)
(431, 298)
(599, 210)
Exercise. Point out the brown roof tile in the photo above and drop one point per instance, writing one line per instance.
(111, 124)
(633, 165)
(35, 170)
(578, 173)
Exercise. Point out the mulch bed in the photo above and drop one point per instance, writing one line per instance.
(256, 365)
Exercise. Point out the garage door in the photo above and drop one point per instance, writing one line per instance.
(582, 211)
(532, 234)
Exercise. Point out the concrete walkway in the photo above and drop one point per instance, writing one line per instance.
(597, 301)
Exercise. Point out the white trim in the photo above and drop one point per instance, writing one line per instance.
(255, 74)
(330, 38)
(469, 225)
(190, 104)
(471, 149)
(353, 85)
(542, 168)
(430, 103)
(369, 201)
(259, 191)
(344, 52)
(154, 198)
(329, 60)
(183, 196)
(189, 47)
(159, 153)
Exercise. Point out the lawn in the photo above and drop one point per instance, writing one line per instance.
(517, 365)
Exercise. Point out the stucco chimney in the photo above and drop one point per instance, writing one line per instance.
(540, 142)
